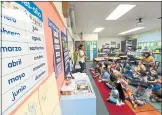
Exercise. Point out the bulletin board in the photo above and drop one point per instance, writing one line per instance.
(65, 53)
(28, 78)
(57, 49)
(91, 49)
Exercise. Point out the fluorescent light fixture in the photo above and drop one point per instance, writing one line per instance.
(98, 29)
(132, 30)
(120, 11)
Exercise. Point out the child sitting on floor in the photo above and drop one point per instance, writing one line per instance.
(97, 71)
(140, 97)
(122, 81)
(114, 95)
(156, 92)
(140, 77)
(118, 67)
(112, 67)
(105, 77)
(127, 72)
(127, 64)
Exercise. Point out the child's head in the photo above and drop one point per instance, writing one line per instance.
(105, 64)
(159, 80)
(118, 65)
(97, 65)
(117, 74)
(127, 68)
(127, 64)
(100, 64)
(142, 73)
(104, 69)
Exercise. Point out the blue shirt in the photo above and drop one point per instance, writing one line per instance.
(156, 87)
(106, 75)
(128, 74)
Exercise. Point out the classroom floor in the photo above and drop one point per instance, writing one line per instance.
(101, 108)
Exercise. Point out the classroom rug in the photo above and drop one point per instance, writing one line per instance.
(126, 109)
(111, 107)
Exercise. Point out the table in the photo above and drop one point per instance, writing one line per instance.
(79, 104)
(123, 56)
(99, 59)
(139, 57)
(112, 58)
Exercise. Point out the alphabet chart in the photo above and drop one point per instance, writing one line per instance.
(23, 51)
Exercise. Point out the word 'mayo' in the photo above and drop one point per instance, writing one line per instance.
(16, 78)
(8, 32)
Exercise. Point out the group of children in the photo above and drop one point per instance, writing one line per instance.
(118, 76)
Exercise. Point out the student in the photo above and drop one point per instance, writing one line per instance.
(148, 61)
(127, 72)
(97, 71)
(127, 64)
(141, 78)
(106, 76)
(81, 57)
(112, 67)
(156, 94)
(114, 95)
(118, 67)
(138, 69)
(140, 97)
(124, 84)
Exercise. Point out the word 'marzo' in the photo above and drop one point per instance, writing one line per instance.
(10, 49)
(14, 63)
(16, 93)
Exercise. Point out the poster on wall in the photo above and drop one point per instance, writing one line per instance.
(23, 51)
(57, 48)
(91, 49)
(65, 54)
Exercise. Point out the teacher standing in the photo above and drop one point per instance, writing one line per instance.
(82, 56)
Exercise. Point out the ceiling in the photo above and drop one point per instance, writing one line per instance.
(90, 15)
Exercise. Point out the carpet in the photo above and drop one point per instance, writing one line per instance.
(126, 109)
(111, 107)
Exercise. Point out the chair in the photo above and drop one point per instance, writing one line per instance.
(131, 59)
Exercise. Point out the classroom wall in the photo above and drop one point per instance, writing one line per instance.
(70, 33)
(148, 37)
(43, 98)
(88, 37)
(103, 40)
(153, 35)
(55, 17)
